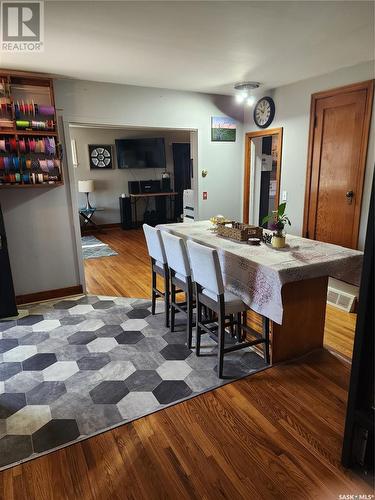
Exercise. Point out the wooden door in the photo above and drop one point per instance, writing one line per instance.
(339, 129)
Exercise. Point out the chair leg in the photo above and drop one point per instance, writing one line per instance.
(239, 323)
(266, 335)
(166, 297)
(173, 309)
(153, 294)
(198, 322)
(189, 306)
(221, 335)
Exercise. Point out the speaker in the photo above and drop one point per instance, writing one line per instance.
(8, 305)
(134, 187)
(166, 185)
(150, 186)
(161, 209)
(125, 212)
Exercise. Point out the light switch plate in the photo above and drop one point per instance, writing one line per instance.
(284, 196)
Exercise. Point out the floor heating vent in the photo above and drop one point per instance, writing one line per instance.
(342, 295)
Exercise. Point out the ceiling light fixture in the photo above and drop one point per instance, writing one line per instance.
(243, 94)
(250, 101)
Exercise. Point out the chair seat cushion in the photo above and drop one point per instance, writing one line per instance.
(233, 304)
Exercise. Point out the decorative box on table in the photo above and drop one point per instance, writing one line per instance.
(239, 231)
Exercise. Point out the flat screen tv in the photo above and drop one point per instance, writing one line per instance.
(140, 153)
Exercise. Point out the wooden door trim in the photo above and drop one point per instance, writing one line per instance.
(246, 185)
(369, 87)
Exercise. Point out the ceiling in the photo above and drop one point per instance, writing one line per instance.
(200, 46)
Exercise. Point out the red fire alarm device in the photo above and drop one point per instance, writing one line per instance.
(205, 195)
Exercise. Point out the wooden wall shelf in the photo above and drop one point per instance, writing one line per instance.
(22, 96)
(41, 133)
(30, 186)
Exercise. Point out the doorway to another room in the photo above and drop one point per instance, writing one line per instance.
(123, 178)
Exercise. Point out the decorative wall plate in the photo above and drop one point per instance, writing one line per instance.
(100, 156)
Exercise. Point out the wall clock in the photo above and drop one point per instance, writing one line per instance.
(264, 112)
(100, 156)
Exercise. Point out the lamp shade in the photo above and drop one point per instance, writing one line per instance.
(86, 186)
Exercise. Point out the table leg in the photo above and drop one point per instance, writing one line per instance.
(303, 320)
(87, 220)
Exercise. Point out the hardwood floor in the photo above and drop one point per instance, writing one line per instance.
(275, 434)
(128, 275)
(339, 331)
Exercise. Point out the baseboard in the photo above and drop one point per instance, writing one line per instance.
(90, 229)
(49, 294)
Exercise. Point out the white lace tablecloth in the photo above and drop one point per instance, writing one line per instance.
(257, 273)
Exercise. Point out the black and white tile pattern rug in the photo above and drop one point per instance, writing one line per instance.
(73, 368)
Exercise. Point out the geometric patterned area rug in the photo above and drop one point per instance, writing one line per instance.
(92, 248)
(74, 368)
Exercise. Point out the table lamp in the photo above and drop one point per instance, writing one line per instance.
(86, 187)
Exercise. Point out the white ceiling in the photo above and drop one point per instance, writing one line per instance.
(201, 46)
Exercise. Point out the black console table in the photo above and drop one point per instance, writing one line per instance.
(134, 198)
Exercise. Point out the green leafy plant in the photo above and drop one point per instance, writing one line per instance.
(279, 218)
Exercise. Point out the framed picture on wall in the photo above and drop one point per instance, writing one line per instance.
(100, 156)
(223, 129)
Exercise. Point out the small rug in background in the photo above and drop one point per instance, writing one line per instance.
(93, 248)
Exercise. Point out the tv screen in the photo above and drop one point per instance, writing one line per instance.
(140, 153)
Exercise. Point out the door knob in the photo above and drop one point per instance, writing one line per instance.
(349, 196)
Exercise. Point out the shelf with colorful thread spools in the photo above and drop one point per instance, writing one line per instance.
(19, 169)
(25, 110)
(46, 145)
(30, 154)
(21, 163)
(35, 125)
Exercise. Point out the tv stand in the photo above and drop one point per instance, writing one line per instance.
(134, 198)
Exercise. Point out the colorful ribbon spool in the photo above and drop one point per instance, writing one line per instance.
(46, 110)
(22, 124)
(22, 145)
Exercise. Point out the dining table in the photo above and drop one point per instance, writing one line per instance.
(287, 285)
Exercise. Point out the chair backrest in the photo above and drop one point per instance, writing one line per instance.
(155, 244)
(206, 267)
(176, 253)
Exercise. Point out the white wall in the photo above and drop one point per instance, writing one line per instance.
(111, 183)
(40, 222)
(293, 114)
(129, 106)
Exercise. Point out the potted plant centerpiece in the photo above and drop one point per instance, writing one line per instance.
(279, 220)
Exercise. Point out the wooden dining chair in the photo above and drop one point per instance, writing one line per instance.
(180, 280)
(210, 292)
(159, 267)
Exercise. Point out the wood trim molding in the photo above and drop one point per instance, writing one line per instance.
(246, 184)
(49, 294)
(100, 226)
(369, 87)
